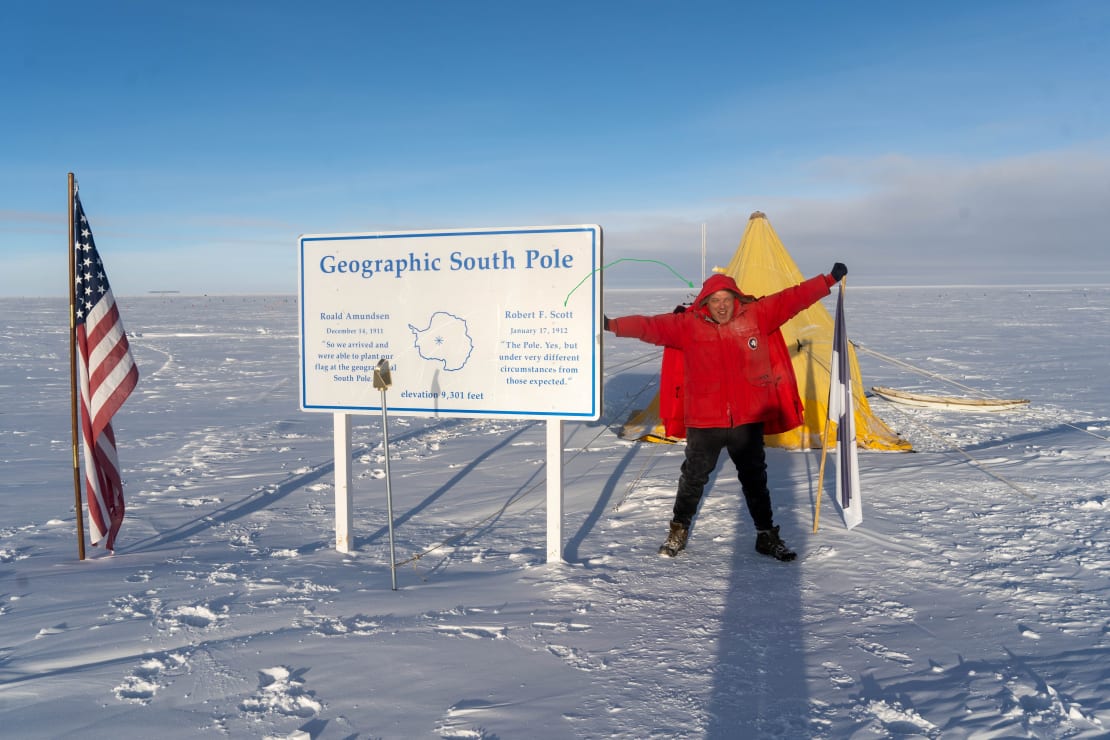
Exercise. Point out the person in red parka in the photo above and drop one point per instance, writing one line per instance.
(738, 384)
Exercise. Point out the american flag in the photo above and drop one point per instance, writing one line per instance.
(842, 413)
(107, 376)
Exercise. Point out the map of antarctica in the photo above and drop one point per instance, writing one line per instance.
(445, 339)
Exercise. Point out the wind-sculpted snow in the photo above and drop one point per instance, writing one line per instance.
(971, 602)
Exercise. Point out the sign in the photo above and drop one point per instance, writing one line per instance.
(476, 323)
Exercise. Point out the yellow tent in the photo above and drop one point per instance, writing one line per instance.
(762, 266)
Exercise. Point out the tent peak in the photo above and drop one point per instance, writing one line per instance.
(757, 214)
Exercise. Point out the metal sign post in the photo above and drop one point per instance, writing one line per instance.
(382, 380)
(555, 490)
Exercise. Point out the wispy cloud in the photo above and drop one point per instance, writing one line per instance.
(910, 216)
(31, 218)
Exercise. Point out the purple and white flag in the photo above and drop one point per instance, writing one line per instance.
(842, 413)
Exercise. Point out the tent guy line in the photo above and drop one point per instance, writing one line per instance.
(937, 376)
(926, 373)
(945, 444)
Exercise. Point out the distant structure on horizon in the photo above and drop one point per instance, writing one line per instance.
(160, 292)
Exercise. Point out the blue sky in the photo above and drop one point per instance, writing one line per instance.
(946, 142)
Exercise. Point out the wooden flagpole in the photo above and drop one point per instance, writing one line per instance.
(821, 473)
(73, 391)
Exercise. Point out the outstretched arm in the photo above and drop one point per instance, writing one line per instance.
(665, 329)
(778, 308)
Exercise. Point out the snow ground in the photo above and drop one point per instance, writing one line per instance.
(971, 603)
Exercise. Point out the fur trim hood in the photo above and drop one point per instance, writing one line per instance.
(720, 281)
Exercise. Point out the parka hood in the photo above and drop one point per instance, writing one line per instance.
(720, 281)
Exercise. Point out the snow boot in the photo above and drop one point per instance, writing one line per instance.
(676, 540)
(768, 542)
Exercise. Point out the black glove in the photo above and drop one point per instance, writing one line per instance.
(605, 323)
(679, 309)
(839, 271)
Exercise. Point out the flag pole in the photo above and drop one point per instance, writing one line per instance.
(73, 380)
(825, 449)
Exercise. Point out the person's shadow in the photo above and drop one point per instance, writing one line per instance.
(759, 682)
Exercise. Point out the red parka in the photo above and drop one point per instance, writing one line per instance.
(738, 372)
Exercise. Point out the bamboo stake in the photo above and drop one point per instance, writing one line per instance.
(73, 380)
(821, 473)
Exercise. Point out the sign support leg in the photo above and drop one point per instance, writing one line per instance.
(343, 509)
(554, 490)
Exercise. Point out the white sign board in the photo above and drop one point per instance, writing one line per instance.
(479, 323)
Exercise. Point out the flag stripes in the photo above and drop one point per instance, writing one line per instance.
(107, 374)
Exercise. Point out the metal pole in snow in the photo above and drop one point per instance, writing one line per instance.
(383, 380)
(73, 390)
(703, 251)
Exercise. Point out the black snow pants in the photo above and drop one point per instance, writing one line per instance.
(745, 447)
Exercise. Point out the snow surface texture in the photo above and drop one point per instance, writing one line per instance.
(971, 602)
